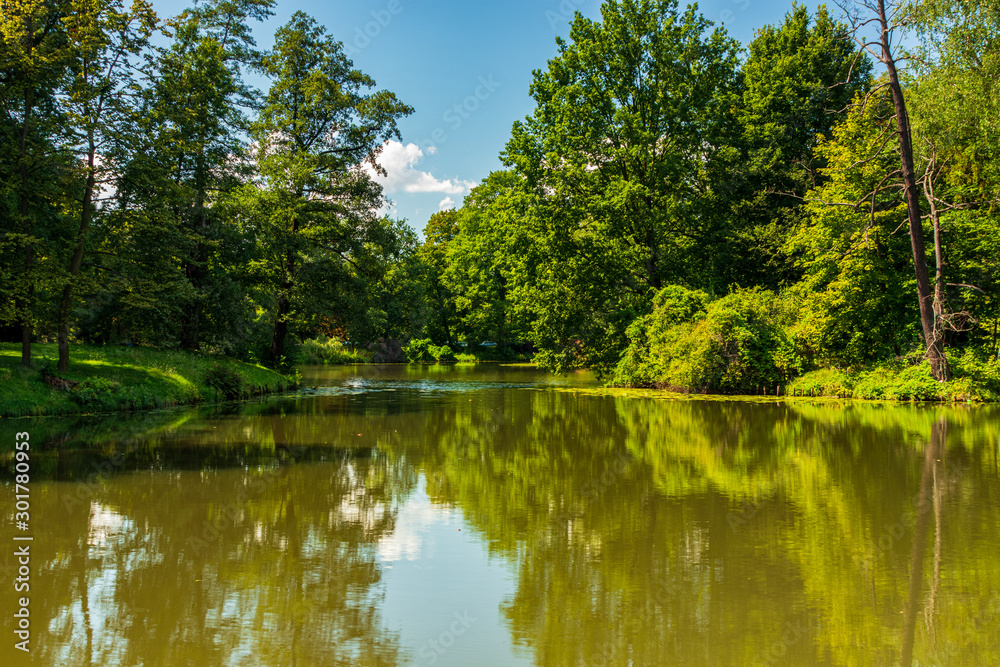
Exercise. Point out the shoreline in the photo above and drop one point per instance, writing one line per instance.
(121, 379)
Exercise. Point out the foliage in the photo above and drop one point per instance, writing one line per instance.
(314, 206)
(739, 343)
(424, 350)
(795, 76)
(857, 289)
(627, 154)
(96, 392)
(976, 378)
(225, 380)
(324, 350)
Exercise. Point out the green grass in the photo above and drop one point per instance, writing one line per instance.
(975, 379)
(110, 379)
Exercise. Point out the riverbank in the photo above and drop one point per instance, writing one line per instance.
(973, 381)
(114, 379)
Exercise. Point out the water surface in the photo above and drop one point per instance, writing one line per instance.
(495, 516)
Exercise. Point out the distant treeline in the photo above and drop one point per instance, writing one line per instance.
(678, 211)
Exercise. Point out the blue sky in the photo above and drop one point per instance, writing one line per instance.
(465, 66)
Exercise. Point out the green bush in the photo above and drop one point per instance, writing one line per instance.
(226, 381)
(976, 375)
(324, 350)
(96, 392)
(425, 351)
(739, 343)
(442, 353)
(975, 378)
(419, 350)
(822, 382)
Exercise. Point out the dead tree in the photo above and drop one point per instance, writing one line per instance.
(862, 14)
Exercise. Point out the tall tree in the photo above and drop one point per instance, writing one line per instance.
(484, 261)
(631, 146)
(955, 107)
(103, 36)
(199, 108)
(32, 64)
(792, 88)
(887, 18)
(317, 129)
(438, 234)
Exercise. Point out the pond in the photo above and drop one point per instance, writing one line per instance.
(496, 515)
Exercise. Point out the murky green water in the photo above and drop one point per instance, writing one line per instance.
(450, 516)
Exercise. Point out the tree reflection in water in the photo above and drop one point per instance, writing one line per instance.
(252, 537)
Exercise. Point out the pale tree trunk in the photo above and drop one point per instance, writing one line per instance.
(940, 299)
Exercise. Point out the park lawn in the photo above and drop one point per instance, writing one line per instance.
(106, 379)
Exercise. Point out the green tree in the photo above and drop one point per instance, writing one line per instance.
(198, 118)
(317, 127)
(793, 83)
(888, 19)
(629, 148)
(492, 261)
(855, 290)
(955, 110)
(33, 64)
(167, 247)
(103, 35)
(441, 229)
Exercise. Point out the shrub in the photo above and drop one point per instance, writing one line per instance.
(324, 350)
(442, 353)
(226, 381)
(424, 350)
(96, 392)
(419, 350)
(822, 382)
(737, 343)
(976, 373)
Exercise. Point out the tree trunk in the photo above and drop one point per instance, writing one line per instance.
(66, 304)
(935, 346)
(284, 309)
(29, 253)
(196, 269)
(280, 330)
(940, 298)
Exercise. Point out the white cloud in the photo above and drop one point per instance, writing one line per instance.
(400, 161)
(447, 204)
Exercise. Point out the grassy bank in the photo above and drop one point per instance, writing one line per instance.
(105, 379)
(973, 381)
